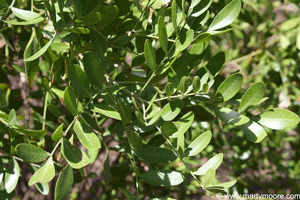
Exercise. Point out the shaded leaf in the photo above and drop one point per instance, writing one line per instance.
(31, 153)
(43, 188)
(150, 55)
(156, 155)
(70, 100)
(12, 118)
(93, 69)
(171, 110)
(75, 157)
(64, 183)
(215, 64)
(162, 177)
(33, 133)
(124, 111)
(162, 34)
(79, 80)
(135, 139)
(198, 7)
(184, 84)
(196, 84)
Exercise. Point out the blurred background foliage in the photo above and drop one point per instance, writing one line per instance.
(264, 45)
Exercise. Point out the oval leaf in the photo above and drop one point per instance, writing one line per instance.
(150, 55)
(64, 183)
(156, 155)
(86, 136)
(196, 84)
(93, 69)
(39, 52)
(45, 174)
(278, 119)
(230, 86)
(252, 96)
(226, 16)
(58, 133)
(106, 110)
(198, 144)
(162, 34)
(214, 163)
(184, 84)
(11, 176)
(79, 80)
(31, 153)
(70, 100)
(209, 177)
(162, 177)
(75, 157)
(24, 14)
(124, 111)
(254, 132)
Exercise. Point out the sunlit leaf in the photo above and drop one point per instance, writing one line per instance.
(45, 174)
(11, 176)
(230, 86)
(198, 144)
(162, 177)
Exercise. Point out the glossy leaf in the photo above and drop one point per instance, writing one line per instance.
(39, 52)
(150, 55)
(106, 110)
(58, 133)
(209, 177)
(252, 96)
(162, 34)
(162, 177)
(230, 86)
(171, 110)
(226, 16)
(93, 69)
(45, 174)
(278, 119)
(11, 176)
(124, 111)
(64, 183)
(198, 144)
(70, 100)
(86, 136)
(75, 157)
(31, 153)
(214, 163)
(156, 155)
(79, 80)
(24, 14)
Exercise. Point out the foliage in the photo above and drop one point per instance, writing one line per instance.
(145, 73)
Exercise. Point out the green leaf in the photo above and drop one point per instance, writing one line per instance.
(196, 84)
(253, 131)
(19, 22)
(79, 80)
(93, 69)
(198, 7)
(222, 186)
(169, 89)
(183, 42)
(70, 100)
(230, 86)
(174, 16)
(31, 153)
(39, 52)
(108, 17)
(184, 84)
(128, 195)
(214, 163)
(64, 183)
(74, 156)
(150, 55)
(226, 16)
(198, 144)
(171, 110)
(209, 177)
(162, 177)
(12, 118)
(135, 139)
(278, 119)
(106, 110)
(11, 176)
(174, 129)
(45, 174)
(3, 4)
(215, 64)
(93, 154)
(24, 14)
(202, 37)
(58, 133)
(124, 111)
(156, 155)
(252, 96)
(91, 18)
(33, 133)
(162, 34)
(86, 136)
(43, 188)
(98, 44)
(31, 67)
(1, 170)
